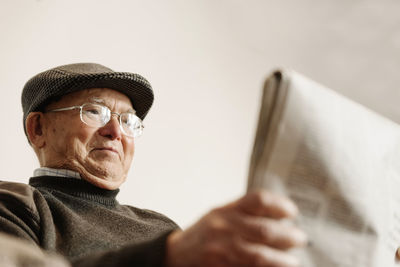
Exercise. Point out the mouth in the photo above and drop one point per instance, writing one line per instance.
(107, 149)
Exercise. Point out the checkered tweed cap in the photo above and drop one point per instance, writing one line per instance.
(57, 82)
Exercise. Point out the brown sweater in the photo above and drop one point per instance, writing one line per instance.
(84, 223)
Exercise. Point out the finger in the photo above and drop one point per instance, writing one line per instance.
(255, 255)
(275, 233)
(264, 203)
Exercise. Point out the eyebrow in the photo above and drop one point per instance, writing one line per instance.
(97, 100)
(101, 101)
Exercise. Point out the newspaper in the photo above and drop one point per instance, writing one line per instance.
(339, 162)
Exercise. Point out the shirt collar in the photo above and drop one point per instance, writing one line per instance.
(45, 171)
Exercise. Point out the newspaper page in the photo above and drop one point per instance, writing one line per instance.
(339, 162)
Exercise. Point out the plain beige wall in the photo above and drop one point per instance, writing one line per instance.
(206, 61)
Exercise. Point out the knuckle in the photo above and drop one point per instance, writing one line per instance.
(257, 199)
(248, 254)
(258, 260)
(270, 258)
(256, 255)
(265, 231)
(216, 227)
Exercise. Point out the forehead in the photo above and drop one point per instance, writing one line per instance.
(106, 96)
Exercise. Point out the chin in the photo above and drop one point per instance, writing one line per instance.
(104, 176)
(109, 184)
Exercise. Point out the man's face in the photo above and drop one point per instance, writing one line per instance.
(102, 155)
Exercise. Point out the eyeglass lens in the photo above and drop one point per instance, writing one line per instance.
(98, 115)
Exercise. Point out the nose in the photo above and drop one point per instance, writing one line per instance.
(112, 129)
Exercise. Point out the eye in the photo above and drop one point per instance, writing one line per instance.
(126, 119)
(131, 124)
(92, 111)
(129, 120)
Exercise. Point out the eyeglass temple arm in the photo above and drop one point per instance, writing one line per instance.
(63, 109)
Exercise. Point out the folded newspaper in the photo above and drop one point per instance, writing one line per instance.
(339, 162)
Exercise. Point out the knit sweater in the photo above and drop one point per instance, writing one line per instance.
(84, 223)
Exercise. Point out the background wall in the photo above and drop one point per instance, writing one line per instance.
(207, 61)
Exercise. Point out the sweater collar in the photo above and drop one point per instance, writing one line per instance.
(76, 187)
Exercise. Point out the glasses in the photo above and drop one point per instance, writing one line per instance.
(96, 115)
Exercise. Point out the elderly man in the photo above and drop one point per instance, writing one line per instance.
(82, 120)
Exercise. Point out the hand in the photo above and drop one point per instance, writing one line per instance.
(247, 232)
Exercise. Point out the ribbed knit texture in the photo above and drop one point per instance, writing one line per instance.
(84, 223)
(75, 188)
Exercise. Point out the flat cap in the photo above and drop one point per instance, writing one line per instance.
(46, 86)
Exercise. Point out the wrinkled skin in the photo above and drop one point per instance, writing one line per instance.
(252, 231)
(61, 140)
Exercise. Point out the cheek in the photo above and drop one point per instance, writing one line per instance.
(85, 139)
(129, 149)
(74, 142)
(85, 135)
(58, 138)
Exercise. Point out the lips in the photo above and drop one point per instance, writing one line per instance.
(111, 149)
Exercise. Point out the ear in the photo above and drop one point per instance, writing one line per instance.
(35, 129)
